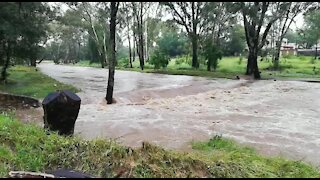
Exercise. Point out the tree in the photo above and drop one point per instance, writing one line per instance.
(292, 10)
(128, 20)
(291, 36)
(159, 59)
(236, 43)
(23, 27)
(254, 15)
(95, 22)
(171, 43)
(313, 28)
(113, 18)
(139, 10)
(188, 14)
(212, 53)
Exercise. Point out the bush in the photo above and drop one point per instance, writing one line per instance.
(240, 60)
(159, 59)
(183, 60)
(123, 62)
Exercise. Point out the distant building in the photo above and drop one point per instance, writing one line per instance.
(288, 48)
(308, 52)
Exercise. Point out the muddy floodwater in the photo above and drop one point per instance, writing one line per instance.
(275, 117)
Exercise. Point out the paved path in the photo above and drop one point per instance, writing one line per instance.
(276, 117)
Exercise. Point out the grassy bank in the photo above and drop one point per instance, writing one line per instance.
(27, 147)
(27, 81)
(229, 67)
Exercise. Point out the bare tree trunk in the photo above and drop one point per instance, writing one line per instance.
(130, 54)
(6, 63)
(147, 49)
(315, 57)
(209, 65)
(277, 55)
(58, 54)
(33, 62)
(2, 51)
(134, 47)
(102, 59)
(252, 66)
(78, 53)
(195, 63)
(112, 59)
(129, 39)
(141, 46)
(249, 64)
(194, 37)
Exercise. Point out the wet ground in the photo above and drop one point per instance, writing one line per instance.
(276, 117)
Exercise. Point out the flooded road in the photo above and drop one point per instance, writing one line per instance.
(276, 117)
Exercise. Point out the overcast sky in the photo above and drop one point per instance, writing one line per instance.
(296, 25)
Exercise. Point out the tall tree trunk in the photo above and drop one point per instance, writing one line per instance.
(209, 65)
(252, 66)
(141, 46)
(195, 63)
(102, 60)
(255, 67)
(33, 62)
(130, 55)
(1, 60)
(277, 55)
(6, 63)
(112, 59)
(78, 53)
(249, 63)
(147, 48)
(134, 47)
(2, 53)
(315, 57)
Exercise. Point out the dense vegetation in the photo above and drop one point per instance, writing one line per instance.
(28, 147)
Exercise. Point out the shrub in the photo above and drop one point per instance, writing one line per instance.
(183, 60)
(123, 62)
(240, 60)
(159, 59)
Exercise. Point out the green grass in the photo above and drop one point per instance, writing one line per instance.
(86, 63)
(27, 81)
(27, 147)
(229, 67)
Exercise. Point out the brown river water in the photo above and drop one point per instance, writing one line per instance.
(275, 117)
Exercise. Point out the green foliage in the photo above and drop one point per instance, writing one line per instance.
(240, 60)
(27, 81)
(159, 59)
(183, 60)
(212, 54)
(236, 45)
(172, 43)
(123, 62)
(23, 27)
(27, 147)
(311, 32)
